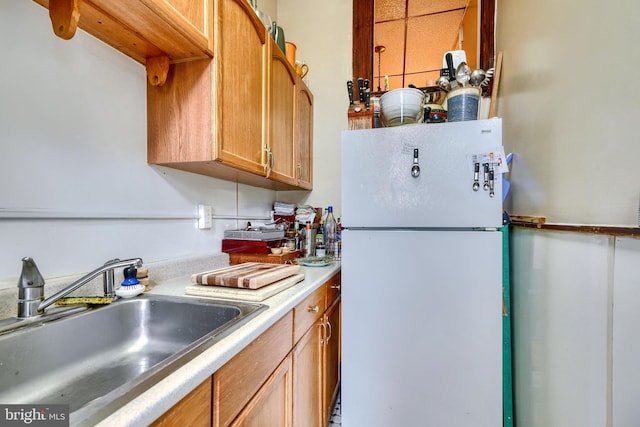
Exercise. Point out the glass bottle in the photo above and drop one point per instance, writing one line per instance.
(338, 253)
(320, 234)
(330, 233)
(296, 235)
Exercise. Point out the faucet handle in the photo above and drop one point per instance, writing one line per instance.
(30, 288)
(30, 276)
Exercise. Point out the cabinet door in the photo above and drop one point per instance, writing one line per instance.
(238, 380)
(281, 165)
(272, 405)
(304, 143)
(307, 379)
(331, 357)
(193, 410)
(240, 82)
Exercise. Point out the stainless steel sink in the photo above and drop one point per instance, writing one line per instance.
(99, 359)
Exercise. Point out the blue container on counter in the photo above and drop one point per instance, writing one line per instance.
(462, 104)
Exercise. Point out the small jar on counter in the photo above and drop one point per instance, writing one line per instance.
(290, 243)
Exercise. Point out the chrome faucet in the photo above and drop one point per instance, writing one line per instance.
(30, 288)
(31, 301)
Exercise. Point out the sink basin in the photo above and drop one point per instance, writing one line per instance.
(97, 360)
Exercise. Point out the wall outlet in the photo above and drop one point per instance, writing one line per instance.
(205, 217)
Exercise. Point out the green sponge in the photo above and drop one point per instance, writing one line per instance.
(85, 300)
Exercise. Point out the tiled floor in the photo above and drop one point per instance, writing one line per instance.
(336, 415)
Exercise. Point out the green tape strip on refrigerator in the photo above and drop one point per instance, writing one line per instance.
(507, 374)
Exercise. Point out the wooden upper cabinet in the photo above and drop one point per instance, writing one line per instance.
(209, 117)
(237, 116)
(282, 99)
(141, 29)
(304, 142)
(240, 86)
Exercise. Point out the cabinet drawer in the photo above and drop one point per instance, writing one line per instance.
(239, 379)
(308, 312)
(333, 288)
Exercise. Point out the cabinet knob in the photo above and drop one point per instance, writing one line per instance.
(314, 309)
(338, 286)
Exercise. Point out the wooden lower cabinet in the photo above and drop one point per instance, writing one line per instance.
(316, 356)
(331, 358)
(287, 377)
(272, 405)
(307, 379)
(193, 410)
(237, 382)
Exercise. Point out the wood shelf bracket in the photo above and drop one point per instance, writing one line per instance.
(64, 15)
(157, 70)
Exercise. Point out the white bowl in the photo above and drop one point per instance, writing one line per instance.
(401, 106)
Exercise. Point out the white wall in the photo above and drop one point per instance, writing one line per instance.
(569, 116)
(73, 144)
(568, 96)
(322, 34)
(561, 332)
(575, 300)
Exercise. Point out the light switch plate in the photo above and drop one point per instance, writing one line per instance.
(205, 217)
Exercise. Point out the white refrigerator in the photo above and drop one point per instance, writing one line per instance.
(422, 275)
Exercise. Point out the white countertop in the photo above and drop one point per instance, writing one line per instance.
(154, 402)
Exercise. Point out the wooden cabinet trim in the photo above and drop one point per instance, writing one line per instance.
(146, 28)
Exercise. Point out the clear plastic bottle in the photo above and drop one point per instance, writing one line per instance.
(330, 233)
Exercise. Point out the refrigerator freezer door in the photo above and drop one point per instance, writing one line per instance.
(421, 328)
(379, 189)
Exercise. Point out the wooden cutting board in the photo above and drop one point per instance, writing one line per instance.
(255, 295)
(249, 275)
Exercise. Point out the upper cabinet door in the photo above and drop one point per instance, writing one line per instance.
(304, 145)
(241, 84)
(282, 101)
